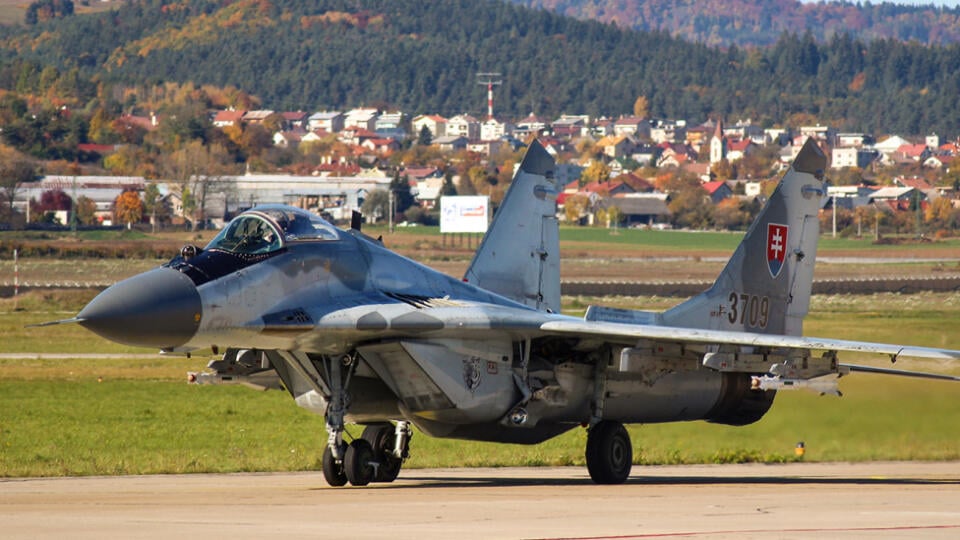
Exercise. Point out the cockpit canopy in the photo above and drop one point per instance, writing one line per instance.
(265, 229)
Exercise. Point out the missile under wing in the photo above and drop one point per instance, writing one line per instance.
(359, 334)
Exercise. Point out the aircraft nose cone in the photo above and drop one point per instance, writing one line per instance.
(160, 308)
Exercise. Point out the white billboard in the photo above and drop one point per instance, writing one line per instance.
(464, 214)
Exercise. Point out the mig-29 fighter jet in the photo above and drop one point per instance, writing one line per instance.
(362, 335)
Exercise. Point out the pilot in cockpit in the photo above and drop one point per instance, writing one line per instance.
(251, 235)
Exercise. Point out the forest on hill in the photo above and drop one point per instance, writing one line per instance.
(422, 56)
(762, 22)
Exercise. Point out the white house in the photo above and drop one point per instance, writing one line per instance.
(361, 118)
(492, 129)
(463, 125)
(433, 122)
(329, 121)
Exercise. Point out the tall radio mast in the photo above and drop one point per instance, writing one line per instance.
(491, 80)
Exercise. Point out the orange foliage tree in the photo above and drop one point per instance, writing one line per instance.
(128, 208)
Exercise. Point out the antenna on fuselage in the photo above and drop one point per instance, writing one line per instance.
(356, 220)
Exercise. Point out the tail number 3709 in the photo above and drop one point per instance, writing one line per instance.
(748, 309)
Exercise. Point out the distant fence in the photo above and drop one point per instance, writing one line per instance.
(828, 286)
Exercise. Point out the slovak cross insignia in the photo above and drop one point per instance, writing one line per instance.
(776, 247)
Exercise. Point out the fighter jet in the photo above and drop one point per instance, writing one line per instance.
(359, 334)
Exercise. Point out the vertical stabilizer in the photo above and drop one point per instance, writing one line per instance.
(520, 255)
(765, 286)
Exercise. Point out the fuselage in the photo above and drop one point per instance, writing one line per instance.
(309, 292)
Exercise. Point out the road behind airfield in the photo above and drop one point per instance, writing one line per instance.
(834, 500)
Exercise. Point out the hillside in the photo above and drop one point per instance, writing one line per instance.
(423, 57)
(762, 22)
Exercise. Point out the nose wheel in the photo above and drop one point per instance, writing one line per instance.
(333, 471)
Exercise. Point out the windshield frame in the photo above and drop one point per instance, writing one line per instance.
(265, 239)
(297, 224)
(287, 224)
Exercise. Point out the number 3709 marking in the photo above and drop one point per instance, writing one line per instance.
(749, 309)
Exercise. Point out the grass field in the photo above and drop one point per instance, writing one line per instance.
(134, 415)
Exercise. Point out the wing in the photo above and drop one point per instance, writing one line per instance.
(624, 333)
(774, 361)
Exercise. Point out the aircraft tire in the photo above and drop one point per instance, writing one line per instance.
(381, 438)
(333, 471)
(356, 463)
(609, 453)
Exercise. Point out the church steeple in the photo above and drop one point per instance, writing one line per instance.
(718, 144)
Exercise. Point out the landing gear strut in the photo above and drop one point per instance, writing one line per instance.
(609, 453)
(334, 456)
(377, 455)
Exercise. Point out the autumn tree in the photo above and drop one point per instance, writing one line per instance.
(86, 210)
(126, 131)
(101, 128)
(481, 179)
(130, 160)
(274, 123)
(200, 171)
(44, 10)
(846, 176)
(641, 107)
(51, 201)
(153, 205)
(732, 214)
(866, 216)
(376, 205)
(612, 216)
(14, 173)
(128, 208)
(689, 203)
(575, 207)
(759, 164)
(723, 170)
(182, 125)
(254, 140)
(597, 171)
(941, 215)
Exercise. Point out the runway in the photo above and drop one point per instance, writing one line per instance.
(875, 500)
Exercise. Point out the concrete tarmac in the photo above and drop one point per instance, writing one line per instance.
(801, 500)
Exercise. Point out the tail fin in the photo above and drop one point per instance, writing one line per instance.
(765, 286)
(520, 255)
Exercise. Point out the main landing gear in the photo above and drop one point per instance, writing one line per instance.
(609, 453)
(377, 456)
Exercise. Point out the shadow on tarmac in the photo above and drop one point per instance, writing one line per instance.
(408, 481)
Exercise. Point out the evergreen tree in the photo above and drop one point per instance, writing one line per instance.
(402, 197)
(425, 137)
